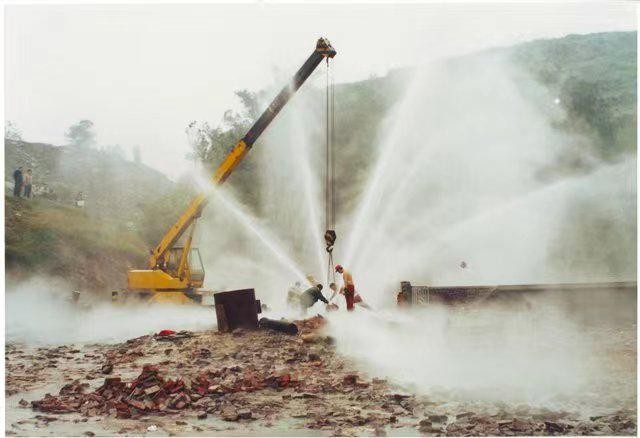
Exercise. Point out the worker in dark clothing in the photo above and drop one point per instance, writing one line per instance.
(18, 179)
(310, 296)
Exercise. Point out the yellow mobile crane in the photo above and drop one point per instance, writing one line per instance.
(175, 273)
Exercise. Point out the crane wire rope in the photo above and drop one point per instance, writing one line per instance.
(330, 202)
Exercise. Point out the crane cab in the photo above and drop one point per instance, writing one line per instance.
(193, 268)
(175, 280)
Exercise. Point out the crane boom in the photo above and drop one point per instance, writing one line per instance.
(323, 50)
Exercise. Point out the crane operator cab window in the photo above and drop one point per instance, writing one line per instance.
(194, 263)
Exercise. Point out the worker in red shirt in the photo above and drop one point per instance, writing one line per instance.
(348, 288)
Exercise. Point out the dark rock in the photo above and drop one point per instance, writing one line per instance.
(305, 395)
(520, 425)
(350, 379)
(400, 397)
(629, 424)
(464, 415)
(553, 427)
(229, 413)
(244, 414)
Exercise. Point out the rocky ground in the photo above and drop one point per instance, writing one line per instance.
(246, 383)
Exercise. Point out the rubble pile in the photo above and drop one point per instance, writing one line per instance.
(150, 393)
(261, 379)
(535, 424)
(310, 325)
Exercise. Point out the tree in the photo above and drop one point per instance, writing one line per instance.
(11, 131)
(136, 154)
(209, 145)
(81, 134)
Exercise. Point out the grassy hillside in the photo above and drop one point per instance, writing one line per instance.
(360, 109)
(128, 206)
(595, 77)
(46, 237)
(113, 187)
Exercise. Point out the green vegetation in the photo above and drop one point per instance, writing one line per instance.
(169, 206)
(210, 145)
(595, 77)
(11, 131)
(112, 187)
(49, 238)
(81, 134)
(360, 108)
(127, 207)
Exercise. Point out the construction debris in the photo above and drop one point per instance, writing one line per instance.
(310, 325)
(151, 393)
(280, 326)
(171, 336)
(256, 379)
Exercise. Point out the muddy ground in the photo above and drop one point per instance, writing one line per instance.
(249, 383)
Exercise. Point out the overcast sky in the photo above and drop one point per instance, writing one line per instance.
(142, 72)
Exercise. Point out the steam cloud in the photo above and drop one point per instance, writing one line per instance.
(466, 170)
(39, 311)
(457, 178)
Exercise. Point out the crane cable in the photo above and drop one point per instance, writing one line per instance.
(330, 203)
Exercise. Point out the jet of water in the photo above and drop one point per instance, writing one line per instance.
(230, 205)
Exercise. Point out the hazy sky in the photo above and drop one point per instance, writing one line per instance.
(142, 72)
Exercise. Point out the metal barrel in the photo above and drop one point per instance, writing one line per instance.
(279, 325)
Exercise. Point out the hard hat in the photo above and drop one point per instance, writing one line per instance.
(338, 267)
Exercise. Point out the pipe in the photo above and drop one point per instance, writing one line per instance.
(279, 326)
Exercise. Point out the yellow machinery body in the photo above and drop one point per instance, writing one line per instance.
(176, 274)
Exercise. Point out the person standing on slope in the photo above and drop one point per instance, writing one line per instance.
(27, 184)
(17, 178)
